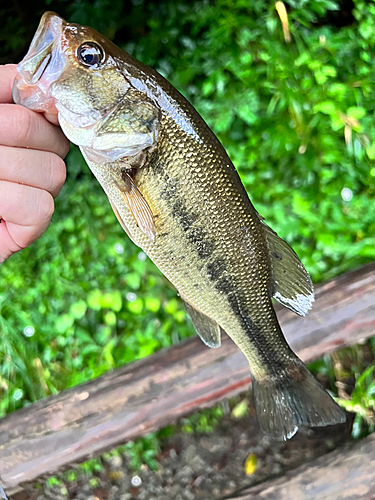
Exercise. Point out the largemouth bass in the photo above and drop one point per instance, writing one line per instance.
(178, 196)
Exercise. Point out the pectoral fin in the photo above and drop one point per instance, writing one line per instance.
(206, 328)
(292, 284)
(137, 205)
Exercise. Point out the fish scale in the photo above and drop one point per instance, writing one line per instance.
(178, 196)
(230, 223)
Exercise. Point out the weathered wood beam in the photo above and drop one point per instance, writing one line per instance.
(151, 393)
(347, 473)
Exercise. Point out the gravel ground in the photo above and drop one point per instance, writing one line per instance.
(198, 466)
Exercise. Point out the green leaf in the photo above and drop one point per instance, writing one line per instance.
(107, 352)
(64, 322)
(365, 376)
(304, 58)
(152, 304)
(133, 280)
(172, 306)
(94, 300)
(245, 112)
(102, 335)
(136, 307)
(78, 309)
(83, 336)
(329, 71)
(356, 113)
(111, 300)
(326, 107)
(370, 150)
(208, 87)
(110, 318)
(337, 90)
(336, 123)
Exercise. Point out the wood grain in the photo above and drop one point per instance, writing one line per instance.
(347, 473)
(149, 394)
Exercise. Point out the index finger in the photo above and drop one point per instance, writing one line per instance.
(7, 75)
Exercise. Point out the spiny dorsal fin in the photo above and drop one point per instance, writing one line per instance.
(206, 328)
(292, 283)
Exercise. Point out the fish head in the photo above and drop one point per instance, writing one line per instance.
(74, 72)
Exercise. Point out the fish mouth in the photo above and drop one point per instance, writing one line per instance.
(42, 65)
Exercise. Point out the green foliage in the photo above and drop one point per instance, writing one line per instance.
(297, 121)
(283, 112)
(351, 372)
(53, 481)
(204, 421)
(143, 451)
(362, 403)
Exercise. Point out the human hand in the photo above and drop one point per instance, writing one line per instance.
(32, 170)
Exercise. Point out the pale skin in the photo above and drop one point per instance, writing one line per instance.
(32, 169)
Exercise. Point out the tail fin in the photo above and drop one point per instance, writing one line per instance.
(293, 398)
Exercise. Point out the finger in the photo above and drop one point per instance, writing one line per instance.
(39, 169)
(24, 128)
(51, 118)
(17, 237)
(7, 245)
(26, 215)
(7, 74)
(25, 205)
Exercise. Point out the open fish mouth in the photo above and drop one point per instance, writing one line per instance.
(42, 65)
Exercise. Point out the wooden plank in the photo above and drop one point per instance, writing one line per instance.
(347, 473)
(151, 393)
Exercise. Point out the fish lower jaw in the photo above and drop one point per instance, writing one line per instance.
(32, 97)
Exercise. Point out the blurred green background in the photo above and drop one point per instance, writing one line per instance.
(297, 119)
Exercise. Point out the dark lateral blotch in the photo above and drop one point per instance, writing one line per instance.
(225, 285)
(215, 269)
(185, 218)
(204, 246)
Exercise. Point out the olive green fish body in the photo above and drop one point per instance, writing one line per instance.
(179, 198)
(210, 242)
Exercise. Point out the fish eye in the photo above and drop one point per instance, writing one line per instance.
(90, 54)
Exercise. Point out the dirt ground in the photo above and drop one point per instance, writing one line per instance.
(199, 466)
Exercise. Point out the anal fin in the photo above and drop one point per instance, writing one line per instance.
(292, 285)
(207, 328)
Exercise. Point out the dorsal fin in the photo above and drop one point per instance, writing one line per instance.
(206, 328)
(292, 283)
